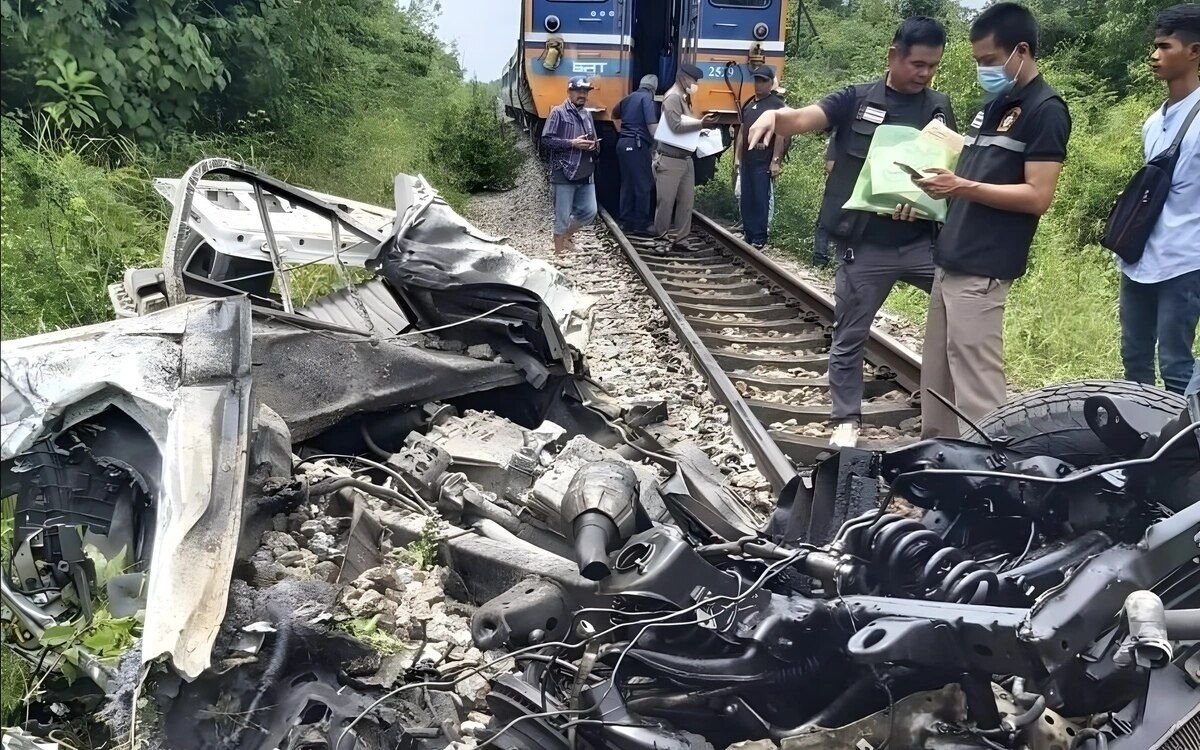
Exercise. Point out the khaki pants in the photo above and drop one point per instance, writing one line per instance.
(675, 181)
(963, 358)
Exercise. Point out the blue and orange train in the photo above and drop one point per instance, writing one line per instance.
(616, 42)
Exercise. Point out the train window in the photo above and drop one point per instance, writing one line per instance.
(740, 3)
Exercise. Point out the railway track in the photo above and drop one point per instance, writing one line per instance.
(760, 337)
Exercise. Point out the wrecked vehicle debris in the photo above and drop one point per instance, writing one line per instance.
(1036, 604)
(400, 515)
(172, 465)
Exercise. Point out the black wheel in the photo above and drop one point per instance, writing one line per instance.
(1050, 421)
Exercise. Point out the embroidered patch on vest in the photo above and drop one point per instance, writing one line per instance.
(874, 114)
(978, 121)
(1009, 118)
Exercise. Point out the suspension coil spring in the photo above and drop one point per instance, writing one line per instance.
(909, 559)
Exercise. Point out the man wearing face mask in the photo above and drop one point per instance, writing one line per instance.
(674, 172)
(1004, 182)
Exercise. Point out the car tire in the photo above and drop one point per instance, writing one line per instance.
(1050, 421)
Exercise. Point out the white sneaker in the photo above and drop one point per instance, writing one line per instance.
(845, 435)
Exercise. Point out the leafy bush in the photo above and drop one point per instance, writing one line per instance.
(336, 95)
(67, 229)
(149, 58)
(474, 146)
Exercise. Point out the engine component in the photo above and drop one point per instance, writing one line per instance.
(930, 719)
(1148, 645)
(536, 610)
(659, 566)
(598, 512)
(845, 486)
(1051, 569)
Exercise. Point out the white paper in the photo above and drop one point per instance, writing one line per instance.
(685, 141)
(936, 132)
(710, 143)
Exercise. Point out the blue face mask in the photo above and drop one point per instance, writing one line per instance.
(993, 78)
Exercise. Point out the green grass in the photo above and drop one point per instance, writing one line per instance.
(14, 671)
(366, 629)
(67, 228)
(73, 220)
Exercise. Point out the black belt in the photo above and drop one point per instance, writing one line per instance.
(674, 152)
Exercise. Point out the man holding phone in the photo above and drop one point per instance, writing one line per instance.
(570, 137)
(876, 251)
(1012, 156)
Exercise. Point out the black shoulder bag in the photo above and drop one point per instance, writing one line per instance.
(1137, 209)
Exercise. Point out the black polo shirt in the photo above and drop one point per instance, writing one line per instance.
(751, 111)
(1031, 124)
(845, 110)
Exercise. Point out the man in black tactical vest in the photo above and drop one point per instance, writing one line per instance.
(1005, 180)
(875, 251)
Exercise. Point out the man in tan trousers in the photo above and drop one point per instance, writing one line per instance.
(1005, 180)
(674, 172)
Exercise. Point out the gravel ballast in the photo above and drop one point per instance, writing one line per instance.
(632, 352)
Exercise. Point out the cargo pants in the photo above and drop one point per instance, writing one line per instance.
(864, 279)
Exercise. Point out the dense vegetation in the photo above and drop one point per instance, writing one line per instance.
(341, 94)
(338, 95)
(1062, 317)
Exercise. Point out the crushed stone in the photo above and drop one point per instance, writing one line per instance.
(632, 352)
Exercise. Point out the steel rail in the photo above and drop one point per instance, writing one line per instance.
(771, 461)
(882, 349)
(725, 275)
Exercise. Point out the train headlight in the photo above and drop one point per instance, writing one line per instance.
(552, 23)
(761, 30)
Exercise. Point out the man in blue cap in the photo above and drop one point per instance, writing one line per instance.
(570, 137)
(754, 165)
(635, 155)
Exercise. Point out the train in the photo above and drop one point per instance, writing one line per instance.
(617, 42)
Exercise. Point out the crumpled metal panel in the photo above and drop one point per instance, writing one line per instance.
(133, 363)
(314, 379)
(479, 257)
(225, 214)
(451, 275)
(184, 375)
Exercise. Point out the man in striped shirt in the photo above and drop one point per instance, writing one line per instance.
(570, 136)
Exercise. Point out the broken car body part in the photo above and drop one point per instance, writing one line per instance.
(272, 468)
(1005, 577)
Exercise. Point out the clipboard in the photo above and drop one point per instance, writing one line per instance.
(685, 141)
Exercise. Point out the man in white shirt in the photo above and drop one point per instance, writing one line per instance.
(1160, 294)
